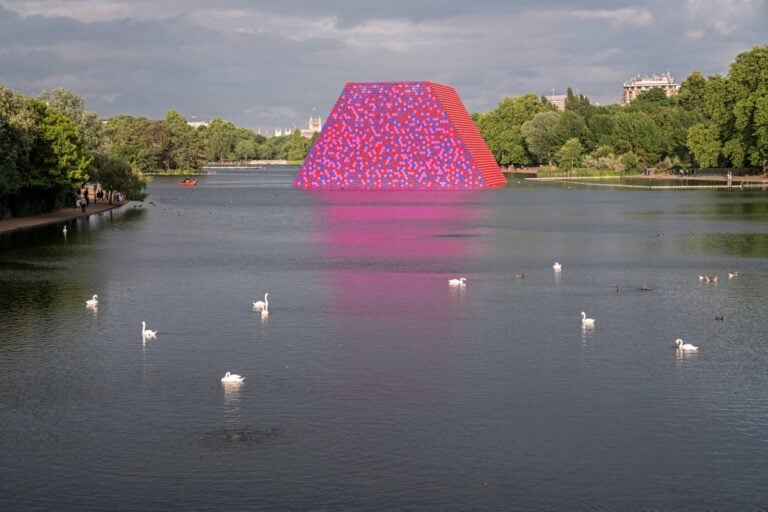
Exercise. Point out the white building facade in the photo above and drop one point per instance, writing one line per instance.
(641, 83)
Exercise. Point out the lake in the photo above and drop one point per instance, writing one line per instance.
(372, 384)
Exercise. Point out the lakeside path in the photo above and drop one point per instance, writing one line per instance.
(33, 221)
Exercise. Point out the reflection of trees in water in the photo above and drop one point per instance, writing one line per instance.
(747, 245)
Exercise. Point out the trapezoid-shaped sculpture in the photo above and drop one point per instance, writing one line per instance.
(399, 135)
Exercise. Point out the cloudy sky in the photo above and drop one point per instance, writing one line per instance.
(269, 63)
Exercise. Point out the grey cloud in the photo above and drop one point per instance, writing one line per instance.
(270, 63)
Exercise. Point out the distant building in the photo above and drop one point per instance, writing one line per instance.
(314, 125)
(557, 100)
(194, 123)
(642, 83)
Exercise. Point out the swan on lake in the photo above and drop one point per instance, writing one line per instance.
(731, 275)
(587, 322)
(261, 305)
(146, 334)
(232, 377)
(64, 230)
(557, 267)
(461, 281)
(685, 347)
(92, 303)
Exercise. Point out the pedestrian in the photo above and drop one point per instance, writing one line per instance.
(85, 195)
(82, 205)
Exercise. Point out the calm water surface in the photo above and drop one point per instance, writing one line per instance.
(372, 385)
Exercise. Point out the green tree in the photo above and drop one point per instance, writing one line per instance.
(651, 100)
(221, 137)
(579, 104)
(748, 99)
(540, 135)
(502, 128)
(572, 125)
(704, 144)
(297, 146)
(187, 147)
(569, 156)
(691, 93)
(601, 130)
(59, 160)
(630, 162)
(636, 132)
(117, 175)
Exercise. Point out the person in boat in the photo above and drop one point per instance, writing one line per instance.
(186, 180)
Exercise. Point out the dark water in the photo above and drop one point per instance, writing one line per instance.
(372, 385)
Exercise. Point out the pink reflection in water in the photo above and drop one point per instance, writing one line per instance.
(392, 255)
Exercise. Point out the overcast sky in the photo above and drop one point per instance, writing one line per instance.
(269, 63)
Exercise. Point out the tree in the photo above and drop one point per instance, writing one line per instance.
(297, 146)
(187, 148)
(650, 100)
(748, 97)
(221, 137)
(73, 106)
(18, 132)
(569, 155)
(636, 132)
(59, 160)
(117, 175)
(579, 104)
(629, 161)
(704, 144)
(691, 93)
(541, 137)
(570, 125)
(601, 130)
(501, 128)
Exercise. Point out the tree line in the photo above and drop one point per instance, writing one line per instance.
(716, 121)
(50, 145)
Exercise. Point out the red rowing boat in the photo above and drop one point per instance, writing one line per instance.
(188, 183)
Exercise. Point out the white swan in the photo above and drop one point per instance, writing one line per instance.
(232, 377)
(146, 334)
(731, 275)
(64, 230)
(557, 267)
(685, 347)
(261, 305)
(587, 322)
(461, 281)
(92, 303)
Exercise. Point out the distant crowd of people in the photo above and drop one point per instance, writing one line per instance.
(82, 199)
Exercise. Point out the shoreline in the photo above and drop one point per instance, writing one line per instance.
(55, 217)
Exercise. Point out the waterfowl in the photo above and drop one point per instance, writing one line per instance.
(262, 305)
(92, 303)
(587, 322)
(557, 267)
(685, 347)
(232, 377)
(461, 281)
(147, 334)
